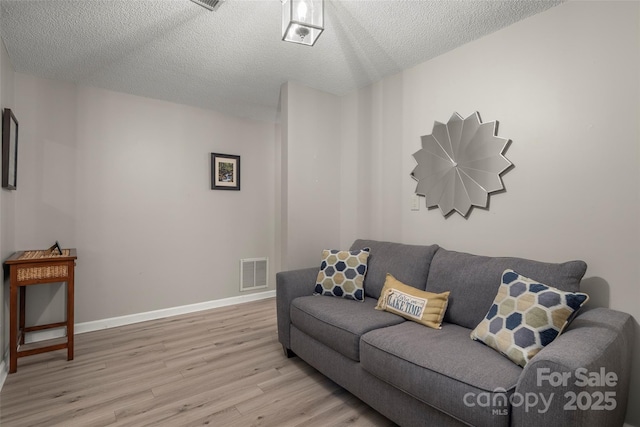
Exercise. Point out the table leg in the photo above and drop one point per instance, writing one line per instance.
(13, 328)
(70, 312)
(23, 311)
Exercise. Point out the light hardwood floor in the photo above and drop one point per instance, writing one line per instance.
(221, 367)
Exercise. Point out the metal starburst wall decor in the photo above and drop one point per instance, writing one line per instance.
(460, 164)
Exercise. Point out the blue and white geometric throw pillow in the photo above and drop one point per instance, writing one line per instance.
(525, 316)
(342, 274)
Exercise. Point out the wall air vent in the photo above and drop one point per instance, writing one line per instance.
(209, 4)
(253, 273)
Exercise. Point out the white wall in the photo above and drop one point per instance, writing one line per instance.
(310, 160)
(565, 87)
(126, 180)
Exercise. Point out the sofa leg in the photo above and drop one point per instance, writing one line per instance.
(288, 353)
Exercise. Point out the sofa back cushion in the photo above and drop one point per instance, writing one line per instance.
(407, 263)
(473, 281)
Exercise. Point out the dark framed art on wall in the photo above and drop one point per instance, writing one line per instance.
(225, 172)
(9, 150)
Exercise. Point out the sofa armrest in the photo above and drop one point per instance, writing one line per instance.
(289, 286)
(582, 377)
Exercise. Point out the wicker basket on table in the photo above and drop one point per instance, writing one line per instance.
(45, 271)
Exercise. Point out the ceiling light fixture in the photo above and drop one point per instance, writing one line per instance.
(302, 21)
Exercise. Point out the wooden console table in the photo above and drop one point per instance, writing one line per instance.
(33, 268)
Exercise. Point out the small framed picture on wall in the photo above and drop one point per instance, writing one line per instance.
(9, 150)
(225, 172)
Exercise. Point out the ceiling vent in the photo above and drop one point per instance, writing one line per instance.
(209, 4)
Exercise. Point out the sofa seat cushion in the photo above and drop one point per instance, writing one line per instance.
(443, 368)
(339, 323)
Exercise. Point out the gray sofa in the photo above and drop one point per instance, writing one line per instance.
(418, 376)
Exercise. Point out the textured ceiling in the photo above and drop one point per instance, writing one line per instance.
(232, 60)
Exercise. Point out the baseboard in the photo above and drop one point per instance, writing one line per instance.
(114, 322)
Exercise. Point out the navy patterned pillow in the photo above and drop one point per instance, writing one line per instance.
(526, 316)
(342, 274)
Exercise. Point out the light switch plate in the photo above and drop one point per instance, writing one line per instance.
(415, 202)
